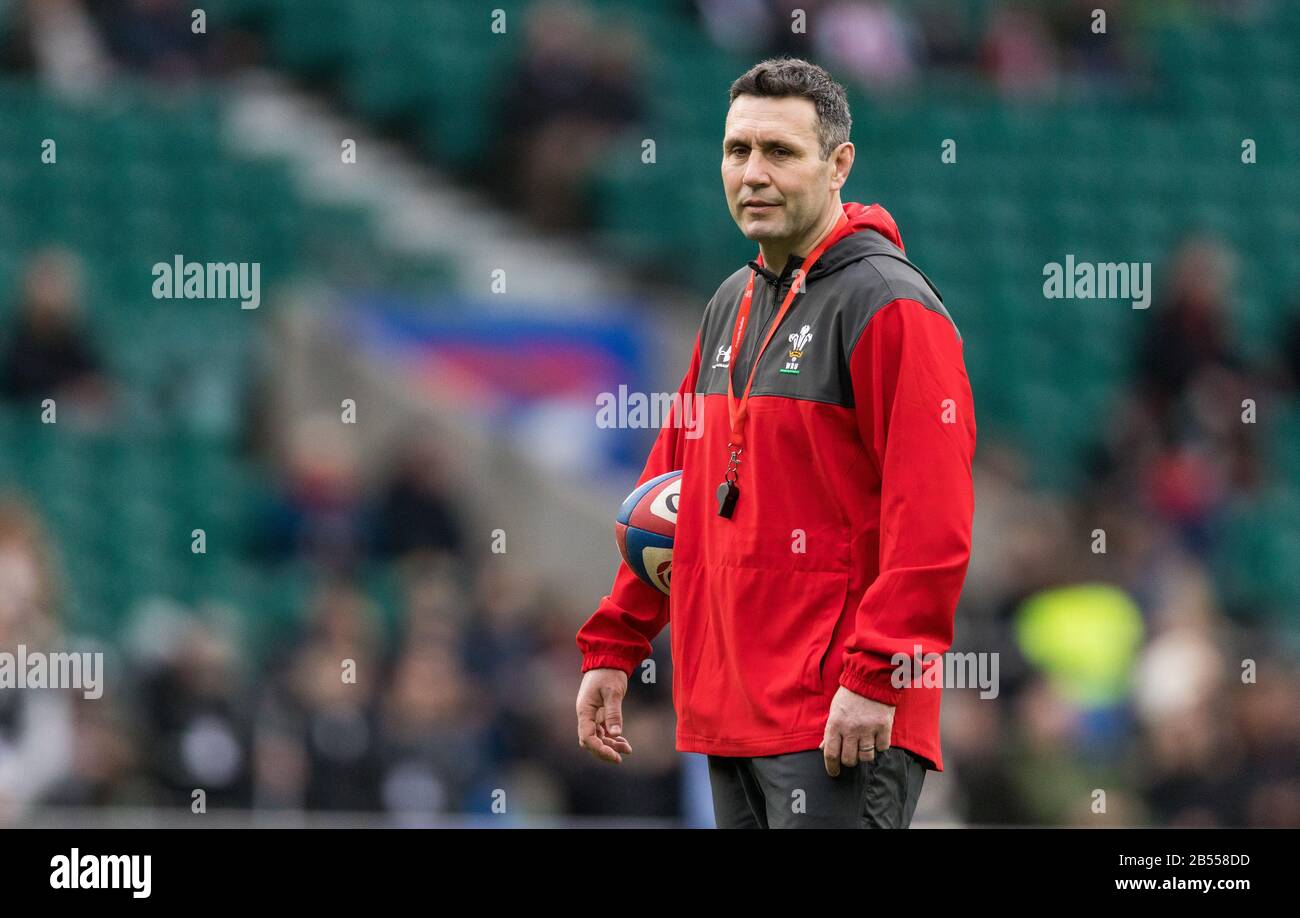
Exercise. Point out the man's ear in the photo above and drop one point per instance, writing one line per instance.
(841, 164)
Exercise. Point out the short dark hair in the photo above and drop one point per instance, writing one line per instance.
(792, 76)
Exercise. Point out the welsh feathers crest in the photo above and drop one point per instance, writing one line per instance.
(798, 341)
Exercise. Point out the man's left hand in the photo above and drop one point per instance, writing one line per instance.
(856, 730)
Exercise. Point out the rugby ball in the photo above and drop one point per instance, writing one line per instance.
(645, 527)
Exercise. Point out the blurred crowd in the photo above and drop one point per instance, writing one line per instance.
(76, 47)
(1125, 669)
(882, 46)
(467, 690)
(469, 696)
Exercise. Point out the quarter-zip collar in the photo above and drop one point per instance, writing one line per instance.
(791, 265)
(844, 250)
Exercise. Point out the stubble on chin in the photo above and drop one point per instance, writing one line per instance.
(761, 230)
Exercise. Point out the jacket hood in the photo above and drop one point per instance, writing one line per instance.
(870, 217)
(845, 248)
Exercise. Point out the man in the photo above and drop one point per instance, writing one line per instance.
(824, 524)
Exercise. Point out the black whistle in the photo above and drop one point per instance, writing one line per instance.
(727, 494)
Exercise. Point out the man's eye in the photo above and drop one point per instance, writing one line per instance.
(780, 151)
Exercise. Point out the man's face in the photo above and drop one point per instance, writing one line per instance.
(776, 181)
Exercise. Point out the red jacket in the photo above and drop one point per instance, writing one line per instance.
(851, 536)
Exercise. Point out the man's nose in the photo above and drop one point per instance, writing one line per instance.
(756, 172)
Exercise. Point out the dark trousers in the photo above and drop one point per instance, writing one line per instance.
(793, 791)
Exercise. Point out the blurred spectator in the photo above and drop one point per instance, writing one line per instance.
(976, 736)
(49, 353)
(317, 718)
(1185, 431)
(36, 729)
(318, 512)
(1289, 358)
(1096, 55)
(153, 37)
(198, 718)
(876, 44)
(1018, 53)
(432, 733)
(1268, 727)
(107, 767)
(415, 510)
(951, 37)
(573, 91)
(1190, 334)
(57, 40)
(744, 26)
(501, 636)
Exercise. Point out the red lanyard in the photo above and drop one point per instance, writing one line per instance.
(739, 412)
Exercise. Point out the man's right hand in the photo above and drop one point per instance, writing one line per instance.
(600, 714)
